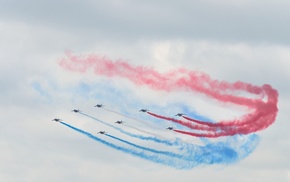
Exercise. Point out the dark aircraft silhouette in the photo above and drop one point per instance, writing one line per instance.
(99, 105)
(119, 122)
(102, 132)
(179, 114)
(143, 110)
(56, 120)
(75, 110)
(169, 128)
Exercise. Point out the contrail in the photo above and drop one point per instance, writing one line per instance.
(141, 137)
(140, 121)
(149, 133)
(135, 119)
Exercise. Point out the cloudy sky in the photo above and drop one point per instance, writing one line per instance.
(229, 40)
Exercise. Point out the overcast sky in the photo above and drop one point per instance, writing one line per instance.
(231, 41)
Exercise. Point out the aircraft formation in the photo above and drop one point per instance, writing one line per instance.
(261, 101)
(170, 158)
(118, 121)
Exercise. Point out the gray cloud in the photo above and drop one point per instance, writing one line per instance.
(196, 20)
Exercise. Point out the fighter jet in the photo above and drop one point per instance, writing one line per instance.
(143, 110)
(99, 105)
(75, 110)
(119, 122)
(102, 132)
(179, 114)
(56, 120)
(169, 128)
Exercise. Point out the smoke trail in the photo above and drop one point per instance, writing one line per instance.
(183, 79)
(143, 131)
(141, 154)
(170, 154)
(263, 113)
(214, 153)
(223, 151)
(135, 119)
(189, 125)
(230, 131)
(179, 79)
(262, 110)
(140, 121)
(141, 137)
(259, 122)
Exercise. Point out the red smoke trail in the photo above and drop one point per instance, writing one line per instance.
(263, 115)
(261, 118)
(179, 79)
(230, 131)
(189, 125)
(207, 135)
(198, 121)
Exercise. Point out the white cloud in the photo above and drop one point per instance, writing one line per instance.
(249, 21)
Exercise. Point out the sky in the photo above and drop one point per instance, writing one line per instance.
(231, 41)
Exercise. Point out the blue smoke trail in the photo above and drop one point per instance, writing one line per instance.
(141, 137)
(154, 158)
(146, 148)
(219, 150)
(210, 154)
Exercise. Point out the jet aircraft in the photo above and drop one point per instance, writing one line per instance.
(56, 120)
(75, 110)
(102, 132)
(99, 105)
(143, 110)
(169, 128)
(179, 114)
(119, 122)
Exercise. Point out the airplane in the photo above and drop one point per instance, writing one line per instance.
(102, 132)
(143, 110)
(56, 120)
(75, 110)
(99, 105)
(179, 114)
(119, 122)
(169, 128)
